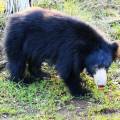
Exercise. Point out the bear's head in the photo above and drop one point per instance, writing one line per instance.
(98, 62)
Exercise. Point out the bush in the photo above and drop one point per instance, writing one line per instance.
(2, 6)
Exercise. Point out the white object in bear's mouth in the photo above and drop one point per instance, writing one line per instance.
(100, 77)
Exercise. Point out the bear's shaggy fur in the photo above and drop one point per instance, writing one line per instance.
(36, 35)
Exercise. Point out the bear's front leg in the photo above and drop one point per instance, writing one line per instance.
(73, 82)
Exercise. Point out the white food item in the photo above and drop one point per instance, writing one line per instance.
(100, 77)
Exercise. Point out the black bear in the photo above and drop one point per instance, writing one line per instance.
(36, 35)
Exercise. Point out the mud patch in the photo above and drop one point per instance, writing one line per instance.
(109, 111)
(74, 109)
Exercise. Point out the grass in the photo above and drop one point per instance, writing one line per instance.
(50, 99)
(44, 95)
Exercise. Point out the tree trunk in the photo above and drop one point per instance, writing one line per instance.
(16, 5)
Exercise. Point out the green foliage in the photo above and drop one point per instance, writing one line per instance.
(8, 111)
(2, 6)
(116, 30)
(49, 4)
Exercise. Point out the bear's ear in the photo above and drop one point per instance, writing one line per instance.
(116, 49)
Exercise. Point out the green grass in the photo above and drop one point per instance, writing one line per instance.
(47, 99)
(47, 96)
(50, 99)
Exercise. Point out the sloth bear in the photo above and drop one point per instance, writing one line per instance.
(36, 35)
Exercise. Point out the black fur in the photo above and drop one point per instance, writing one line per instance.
(37, 35)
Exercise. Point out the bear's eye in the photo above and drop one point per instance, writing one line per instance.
(95, 67)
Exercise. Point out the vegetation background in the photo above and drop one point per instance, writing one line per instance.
(50, 99)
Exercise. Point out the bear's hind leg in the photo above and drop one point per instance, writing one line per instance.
(16, 69)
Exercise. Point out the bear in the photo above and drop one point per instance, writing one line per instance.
(71, 45)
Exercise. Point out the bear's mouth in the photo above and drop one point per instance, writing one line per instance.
(100, 77)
